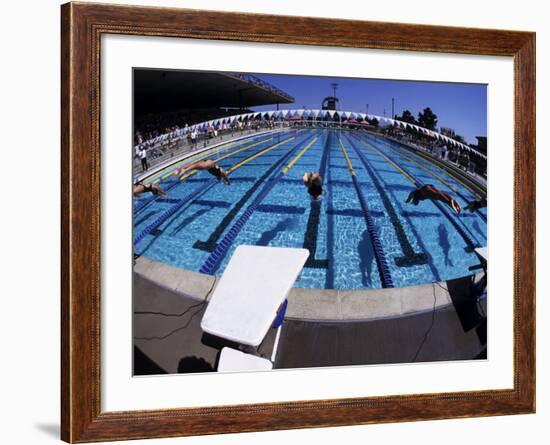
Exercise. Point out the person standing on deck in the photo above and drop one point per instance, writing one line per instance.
(143, 157)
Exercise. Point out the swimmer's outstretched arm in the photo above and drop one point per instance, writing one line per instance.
(224, 177)
(443, 196)
(192, 165)
(158, 191)
(184, 168)
(450, 201)
(199, 165)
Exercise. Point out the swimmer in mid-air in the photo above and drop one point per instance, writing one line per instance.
(140, 188)
(314, 183)
(429, 191)
(209, 165)
(477, 204)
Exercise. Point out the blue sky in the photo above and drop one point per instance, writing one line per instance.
(462, 107)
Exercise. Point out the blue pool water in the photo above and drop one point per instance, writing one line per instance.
(201, 222)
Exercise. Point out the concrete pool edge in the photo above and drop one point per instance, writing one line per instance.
(312, 304)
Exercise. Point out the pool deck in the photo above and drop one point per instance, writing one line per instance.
(432, 322)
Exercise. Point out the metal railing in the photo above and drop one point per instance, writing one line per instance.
(175, 143)
(181, 145)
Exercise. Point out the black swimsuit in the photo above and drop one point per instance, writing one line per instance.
(215, 171)
(315, 190)
(149, 188)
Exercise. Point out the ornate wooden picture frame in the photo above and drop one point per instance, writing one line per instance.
(82, 26)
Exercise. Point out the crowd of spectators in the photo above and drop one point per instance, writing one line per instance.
(153, 140)
(152, 126)
(468, 160)
(164, 143)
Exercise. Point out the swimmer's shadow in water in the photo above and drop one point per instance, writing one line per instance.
(416, 259)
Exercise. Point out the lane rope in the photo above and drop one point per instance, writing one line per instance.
(435, 175)
(162, 218)
(218, 254)
(381, 261)
(469, 242)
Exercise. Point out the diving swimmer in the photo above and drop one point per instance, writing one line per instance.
(476, 204)
(209, 165)
(431, 192)
(140, 188)
(314, 183)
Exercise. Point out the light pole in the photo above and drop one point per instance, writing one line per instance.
(334, 87)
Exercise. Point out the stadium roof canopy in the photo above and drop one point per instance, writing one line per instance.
(158, 91)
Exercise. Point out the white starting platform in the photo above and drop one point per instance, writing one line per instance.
(252, 288)
(232, 360)
(482, 253)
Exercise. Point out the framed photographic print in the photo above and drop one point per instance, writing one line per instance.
(279, 222)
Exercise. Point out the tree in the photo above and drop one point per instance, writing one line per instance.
(408, 117)
(459, 138)
(427, 119)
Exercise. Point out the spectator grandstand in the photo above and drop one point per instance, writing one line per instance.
(168, 102)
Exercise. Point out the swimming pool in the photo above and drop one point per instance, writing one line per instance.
(361, 234)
